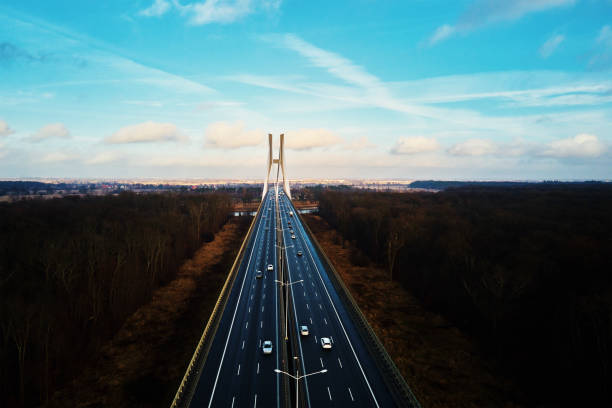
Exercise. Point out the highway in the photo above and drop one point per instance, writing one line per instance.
(236, 373)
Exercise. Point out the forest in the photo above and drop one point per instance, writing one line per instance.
(73, 269)
(526, 270)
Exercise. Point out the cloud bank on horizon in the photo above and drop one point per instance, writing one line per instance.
(476, 89)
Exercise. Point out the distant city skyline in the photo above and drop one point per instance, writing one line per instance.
(178, 89)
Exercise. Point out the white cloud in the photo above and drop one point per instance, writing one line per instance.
(582, 145)
(473, 147)
(305, 139)
(605, 35)
(415, 144)
(441, 33)
(226, 135)
(485, 12)
(51, 131)
(551, 45)
(5, 130)
(223, 11)
(603, 56)
(158, 8)
(147, 132)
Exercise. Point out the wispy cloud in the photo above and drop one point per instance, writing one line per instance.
(603, 56)
(226, 135)
(147, 132)
(551, 45)
(50, 131)
(158, 8)
(485, 12)
(5, 130)
(211, 11)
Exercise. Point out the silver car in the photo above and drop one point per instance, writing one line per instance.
(267, 347)
(326, 343)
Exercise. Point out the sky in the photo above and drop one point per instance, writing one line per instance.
(378, 89)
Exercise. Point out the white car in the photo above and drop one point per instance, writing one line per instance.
(267, 347)
(304, 330)
(326, 343)
(270, 267)
(293, 237)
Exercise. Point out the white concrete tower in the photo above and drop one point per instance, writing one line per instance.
(280, 162)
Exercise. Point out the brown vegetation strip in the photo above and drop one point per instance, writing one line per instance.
(439, 362)
(145, 361)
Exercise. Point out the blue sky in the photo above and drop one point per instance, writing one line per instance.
(478, 89)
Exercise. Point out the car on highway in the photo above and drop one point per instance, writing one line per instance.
(293, 237)
(270, 267)
(326, 343)
(259, 275)
(267, 347)
(304, 330)
(299, 253)
(291, 231)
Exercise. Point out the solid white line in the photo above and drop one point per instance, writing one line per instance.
(246, 272)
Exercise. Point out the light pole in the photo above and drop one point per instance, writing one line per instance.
(298, 377)
(286, 285)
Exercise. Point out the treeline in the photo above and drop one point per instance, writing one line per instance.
(73, 269)
(527, 271)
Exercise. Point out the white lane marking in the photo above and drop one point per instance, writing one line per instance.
(339, 362)
(311, 320)
(262, 308)
(329, 393)
(255, 404)
(320, 307)
(351, 394)
(257, 368)
(247, 325)
(243, 344)
(261, 324)
(259, 343)
(233, 399)
(321, 359)
(325, 320)
(238, 370)
(316, 294)
(212, 394)
(331, 338)
(342, 326)
(316, 339)
(307, 307)
(249, 309)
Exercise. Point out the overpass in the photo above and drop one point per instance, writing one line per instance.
(281, 280)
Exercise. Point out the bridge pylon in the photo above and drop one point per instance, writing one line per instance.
(280, 162)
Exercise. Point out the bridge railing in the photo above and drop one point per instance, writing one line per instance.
(186, 389)
(402, 394)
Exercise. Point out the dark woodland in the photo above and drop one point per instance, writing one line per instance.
(525, 270)
(73, 269)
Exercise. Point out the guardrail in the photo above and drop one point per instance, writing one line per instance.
(400, 390)
(186, 389)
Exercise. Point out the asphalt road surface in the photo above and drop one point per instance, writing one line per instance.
(237, 373)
